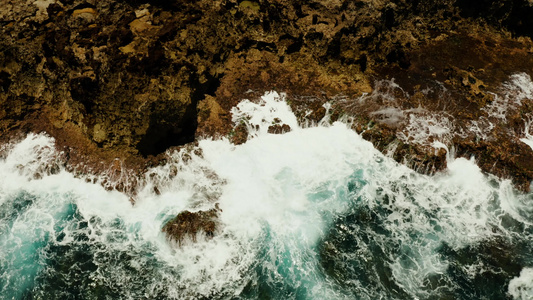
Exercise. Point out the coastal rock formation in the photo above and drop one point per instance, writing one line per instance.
(189, 224)
(129, 79)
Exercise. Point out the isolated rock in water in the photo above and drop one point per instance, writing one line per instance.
(279, 129)
(190, 224)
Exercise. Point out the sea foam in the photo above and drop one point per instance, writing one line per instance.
(315, 213)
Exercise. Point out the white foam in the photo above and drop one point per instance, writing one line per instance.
(279, 195)
(521, 287)
(391, 116)
(416, 125)
(280, 171)
(514, 91)
(271, 109)
(480, 128)
(31, 156)
(426, 128)
(384, 93)
(528, 139)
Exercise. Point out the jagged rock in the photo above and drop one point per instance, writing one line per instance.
(129, 79)
(278, 128)
(190, 224)
(239, 135)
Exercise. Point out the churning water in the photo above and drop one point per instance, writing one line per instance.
(316, 213)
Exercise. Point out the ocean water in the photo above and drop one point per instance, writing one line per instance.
(316, 213)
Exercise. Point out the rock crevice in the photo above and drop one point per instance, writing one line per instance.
(129, 79)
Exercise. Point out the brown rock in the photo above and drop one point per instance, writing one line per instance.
(190, 224)
(119, 79)
(279, 129)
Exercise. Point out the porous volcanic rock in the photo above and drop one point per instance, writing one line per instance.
(127, 80)
(190, 224)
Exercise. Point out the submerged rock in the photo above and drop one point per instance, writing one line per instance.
(190, 224)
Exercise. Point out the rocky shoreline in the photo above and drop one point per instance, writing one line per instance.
(117, 83)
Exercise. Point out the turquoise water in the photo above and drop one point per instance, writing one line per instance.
(316, 213)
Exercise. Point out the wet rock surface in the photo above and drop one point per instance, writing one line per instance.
(127, 80)
(189, 224)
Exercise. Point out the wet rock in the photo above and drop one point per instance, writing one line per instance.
(459, 76)
(129, 80)
(239, 135)
(279, 128)
(189, 224)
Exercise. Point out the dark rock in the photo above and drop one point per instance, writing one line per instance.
(190, 224)
(239, 135)
(131, 79)
(279, 129)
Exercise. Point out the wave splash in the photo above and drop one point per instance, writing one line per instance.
(315, 213)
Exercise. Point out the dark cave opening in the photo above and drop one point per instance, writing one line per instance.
(168, 129)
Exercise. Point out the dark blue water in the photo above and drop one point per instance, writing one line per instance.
(327, 219)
